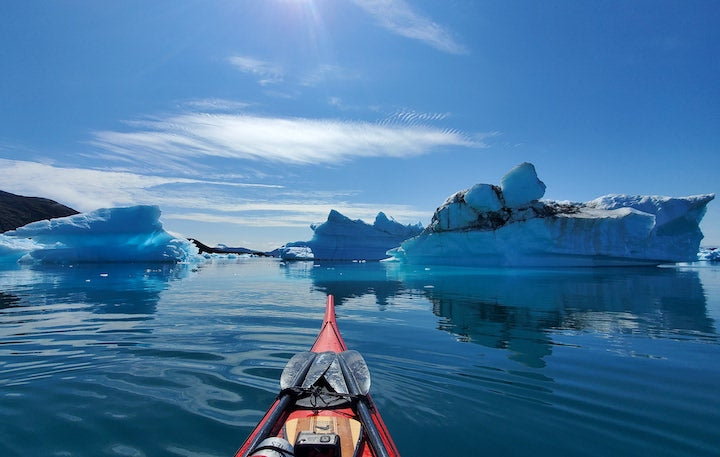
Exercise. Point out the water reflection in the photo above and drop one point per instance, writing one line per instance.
(53, 318)
(104, 288)
(520, 310)
(347, 280)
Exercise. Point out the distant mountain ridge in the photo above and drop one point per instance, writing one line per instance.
(17, 210)
(222, 249)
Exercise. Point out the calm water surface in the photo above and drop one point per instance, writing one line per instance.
(147, 360)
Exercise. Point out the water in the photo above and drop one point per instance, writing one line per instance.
(147, 360)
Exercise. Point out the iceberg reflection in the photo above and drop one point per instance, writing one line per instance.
(522, 310)
(519, 310)
(103, 288)
(54, 319)
(347, 280)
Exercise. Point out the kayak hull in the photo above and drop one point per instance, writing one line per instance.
(358, 426)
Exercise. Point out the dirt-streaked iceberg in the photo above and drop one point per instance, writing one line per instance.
(341, 238)
(509, 225)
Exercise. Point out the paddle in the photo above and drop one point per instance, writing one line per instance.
(357, 377)
(293, 375)
(306, 368)
(357, 369)
(345, 372)
(296, 370)
(320, 366)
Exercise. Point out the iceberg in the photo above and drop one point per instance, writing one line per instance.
(341, 238)
(711, 254)
(292, 252)
(509, 225)
(130, 234)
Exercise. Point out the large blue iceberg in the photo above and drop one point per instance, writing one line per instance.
(509, 225)
(341, 238)
(131, 234)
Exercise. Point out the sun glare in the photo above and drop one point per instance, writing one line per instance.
(304, 16)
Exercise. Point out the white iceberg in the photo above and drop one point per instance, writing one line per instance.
(131, 234)
(289, 252)
(341, 238)
(711, 254)
(489, 225)
(521, 186)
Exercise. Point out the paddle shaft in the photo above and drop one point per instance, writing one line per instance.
(271, 420)
(371, 429)
(280, 407)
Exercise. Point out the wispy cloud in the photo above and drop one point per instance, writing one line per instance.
(241, 204)
(297, 214)
(274, 139)
(398, 17)
(325, 72)
(412, 117)
(310, 75)
(266, 72)
(215, 105)
(88, 189)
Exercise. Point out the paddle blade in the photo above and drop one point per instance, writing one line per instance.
(296, 369)
(335, 378)
(358, 370)
(319, 367)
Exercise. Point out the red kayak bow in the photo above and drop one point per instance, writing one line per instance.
(324, 408)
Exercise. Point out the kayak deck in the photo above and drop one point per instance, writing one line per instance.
(348, 430)
(324, 408)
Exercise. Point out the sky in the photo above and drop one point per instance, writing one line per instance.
(247, 121)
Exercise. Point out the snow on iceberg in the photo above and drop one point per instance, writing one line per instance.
(131, 234)
(340, 238)
(509, 225)
(292, 252)
(12, 249)
(709, 254)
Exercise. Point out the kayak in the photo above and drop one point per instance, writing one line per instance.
(324, 407)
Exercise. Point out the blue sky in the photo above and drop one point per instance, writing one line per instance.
(248, 120)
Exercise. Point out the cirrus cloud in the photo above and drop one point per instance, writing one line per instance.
(230, 204)
(87, 189)
(266, 72)
(276, 139)
(398, 17)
